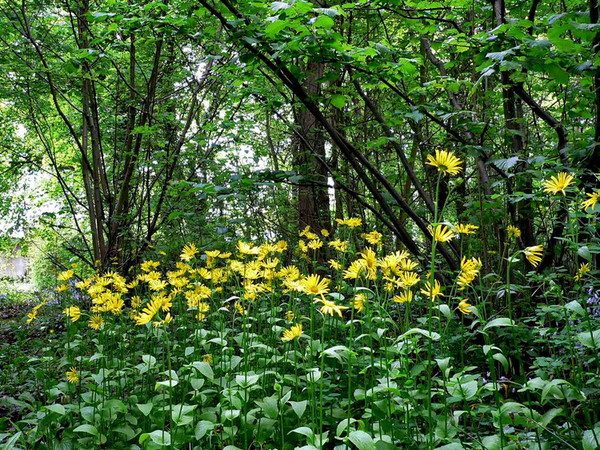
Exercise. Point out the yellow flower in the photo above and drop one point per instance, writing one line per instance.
(430, 292)
(407, 264)
(208, 358)
(73, 312)
(168, 319)
(442, 233)
(469, 269)
(303, 247)
(513, 232)
(31, 316)
(62, 287)
(315, 285)
(157, 285)
(409, 278)
(445, 162)
(534, 254)
(72, 375)
(149, 266)
(324, 233)
(558, 183)
(591, 202)
(293, 333)
(374, 237)
(65, 276)
(114, 304)
(96, 322)
(466, 228)
(359, 302)
(583, 269)
(355, 270)
(404, 297)
(149, 311)
(340, 246)
(330, 307)
(315, 244)
(465, 307)
(240, 309)
(334, 264)
(370, 261)
(136, 301)
(188, 252)
(289, 316)
(352, 222)
(247, 249)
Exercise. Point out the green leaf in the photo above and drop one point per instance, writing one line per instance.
(149, 360)
(500, 322)
(575, 307)
(590, 339)
(203, 427)
(205, 369)
(166, 383)
(161, 437)
(584, 252)
(589, 441)
(324, 22)
(58, 409)
(245, 381)
(502, 359)
(339, 101)
(145, 408)
(362, 440)
(127, 431)
(86, 428)
(299, 407)
(274, 28)
(433, 335)
(10, 444)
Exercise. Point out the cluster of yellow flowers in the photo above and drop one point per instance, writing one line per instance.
(469, 269)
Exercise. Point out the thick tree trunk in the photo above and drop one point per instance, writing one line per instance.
(312, 195)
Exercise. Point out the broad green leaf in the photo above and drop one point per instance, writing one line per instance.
(149, 360)
(145, 408)
(58, 409)
(86, 428)
(362, 440)
(590, 339)
(339, 101)
(324, 22)
(433, 335)
(575, 307)
(500, 322)
(299, 407)
(203, 427)
(161, 437)
(205, 369)
(591, 439)
(245, 381)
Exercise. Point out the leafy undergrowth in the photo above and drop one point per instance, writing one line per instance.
(222, 350)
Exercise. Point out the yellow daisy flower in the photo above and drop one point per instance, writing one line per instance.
(73, 375)
(465, 307)
(404, 297)
(534, 254)
(445, 162)
(591, 202)
(558, 183)
(293, 333)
